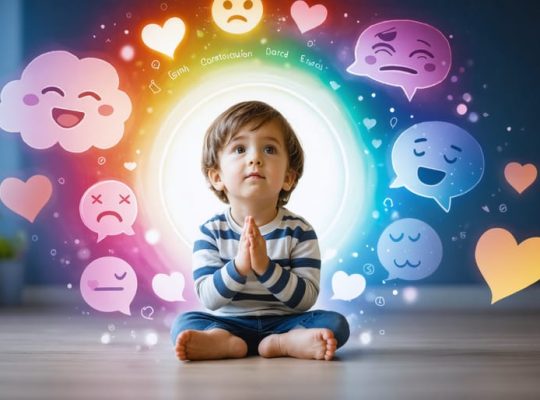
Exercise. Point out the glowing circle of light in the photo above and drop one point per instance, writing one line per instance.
(330, 194)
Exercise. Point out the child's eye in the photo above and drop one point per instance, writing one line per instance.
(240, 149)
(270, 150)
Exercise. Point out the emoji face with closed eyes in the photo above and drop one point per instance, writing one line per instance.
(63, 99)
(438, 160)
(109, 284)
(237, 16)
(409, 249)
(109, 208)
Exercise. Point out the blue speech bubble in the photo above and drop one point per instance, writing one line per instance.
(438, 160)
(409, 249)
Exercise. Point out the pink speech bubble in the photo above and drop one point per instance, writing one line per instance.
(63, 99)
(403, 53)
(109, 208)
(109, 284)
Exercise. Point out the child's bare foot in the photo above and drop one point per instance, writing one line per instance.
(209, 345)
(316, 343)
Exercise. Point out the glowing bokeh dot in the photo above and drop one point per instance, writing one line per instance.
(152, 236)
(127, 53)
(461, 109)
(365, 338)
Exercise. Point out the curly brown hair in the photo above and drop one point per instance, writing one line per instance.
(234, 119)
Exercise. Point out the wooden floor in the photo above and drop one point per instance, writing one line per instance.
(49, 355)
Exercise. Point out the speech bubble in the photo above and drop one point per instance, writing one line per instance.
(408, 54)
(109, 208)
(169, 287)
(409, 249)
(507, 266)
(63, 99)
(109, 284)
(437, 160)
(237, 16)
(347, 287)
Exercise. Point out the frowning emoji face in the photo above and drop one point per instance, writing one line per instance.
(109, 208)
(237, 16)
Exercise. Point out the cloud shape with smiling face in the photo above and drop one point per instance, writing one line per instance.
(66, 100)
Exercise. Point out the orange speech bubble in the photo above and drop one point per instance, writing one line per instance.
(520, 177)
(507, 266)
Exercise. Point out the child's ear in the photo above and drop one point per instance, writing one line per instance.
(215, 179)
(290, 178)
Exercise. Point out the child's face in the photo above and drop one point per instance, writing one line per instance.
(253, 165)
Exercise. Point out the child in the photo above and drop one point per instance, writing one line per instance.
(257, 265)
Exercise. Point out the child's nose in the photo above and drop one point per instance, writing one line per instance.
(255, 158)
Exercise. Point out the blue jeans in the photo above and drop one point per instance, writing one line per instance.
(254, 329)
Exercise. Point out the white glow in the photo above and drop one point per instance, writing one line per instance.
(329, 195)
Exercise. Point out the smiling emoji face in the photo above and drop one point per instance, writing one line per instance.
(237, 16)
(109, 208)
(409, 249)
(66, 100)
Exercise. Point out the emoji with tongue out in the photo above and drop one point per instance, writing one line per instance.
(62, 99)
(109, 208)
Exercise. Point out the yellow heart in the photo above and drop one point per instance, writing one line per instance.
(507, 266)
(164, 39)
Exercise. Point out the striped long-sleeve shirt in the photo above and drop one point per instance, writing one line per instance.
(290, 284)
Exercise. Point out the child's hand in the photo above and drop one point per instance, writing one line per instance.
(242, 260)
(257, 248)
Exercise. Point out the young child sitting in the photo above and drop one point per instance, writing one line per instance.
(257, 265)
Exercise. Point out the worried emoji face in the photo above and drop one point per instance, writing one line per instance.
(404, 53)
(109, 208)
(237, 16)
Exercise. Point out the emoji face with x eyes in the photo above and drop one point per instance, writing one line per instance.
(109, 208)
(237, 16)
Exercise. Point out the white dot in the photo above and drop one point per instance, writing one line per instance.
(467, 97)
(355, 254)
(360, 98)
(69, 285)
(151, 339)
(373, 94)
(395, 292)
(102, 26)
(508, 129)
(365, 338)
(126, 32)
(410, 294)
(152, 236)
(106, 338)
(392, 109)
(127, 53)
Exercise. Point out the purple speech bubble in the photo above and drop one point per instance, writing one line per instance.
(109, 284)
(403, 53)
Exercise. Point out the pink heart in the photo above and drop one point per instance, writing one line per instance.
(92, 284)
(520, 177)
(307, 17)
(26, 198)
